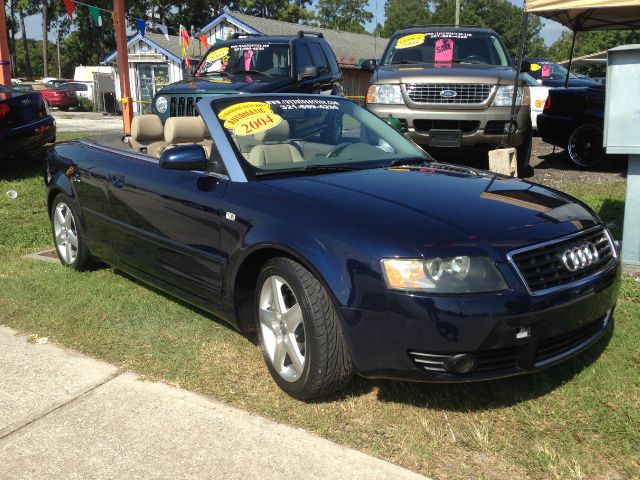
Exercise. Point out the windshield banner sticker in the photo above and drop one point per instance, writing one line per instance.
(412, 40)
(218, 54)
(443, 50)
(462, 35)
(304, 104)
(249, 118)
(249, 46)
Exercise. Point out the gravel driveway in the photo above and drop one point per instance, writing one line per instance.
(76, 122)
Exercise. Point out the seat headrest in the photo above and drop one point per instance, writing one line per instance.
(146, 127)
(279, 133)
(184, 130)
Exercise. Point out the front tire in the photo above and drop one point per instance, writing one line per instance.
(299, 331)
(67, 234)
(585, 146)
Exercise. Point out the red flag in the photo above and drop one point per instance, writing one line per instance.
(70, 6)
(203, 39)
(185, 36)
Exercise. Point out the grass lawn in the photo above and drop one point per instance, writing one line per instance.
(578, 420)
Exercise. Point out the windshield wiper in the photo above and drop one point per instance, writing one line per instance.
(408, 162)
(251, 72)
(407, 62)
(206, 74)
(309, 170)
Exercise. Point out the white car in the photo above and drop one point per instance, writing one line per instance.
(538, 97)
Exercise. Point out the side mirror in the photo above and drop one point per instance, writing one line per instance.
(184, 157)
(309, 72)
(369, 64)
(525, 66)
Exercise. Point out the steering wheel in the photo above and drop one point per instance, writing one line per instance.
(337, 149)
(477, 58)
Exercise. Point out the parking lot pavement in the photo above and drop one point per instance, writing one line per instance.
(74, 122)
(64, 415)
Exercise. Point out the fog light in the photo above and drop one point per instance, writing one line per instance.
(510, 128)
(460, 364)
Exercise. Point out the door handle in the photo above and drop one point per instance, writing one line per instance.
(117, 180)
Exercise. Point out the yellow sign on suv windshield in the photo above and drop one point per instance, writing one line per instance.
(412, 40)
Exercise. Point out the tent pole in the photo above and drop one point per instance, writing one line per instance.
(573, 44)
(516, 82)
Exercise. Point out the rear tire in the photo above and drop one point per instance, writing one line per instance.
(299, 331)
(67, 234)
(585, 146)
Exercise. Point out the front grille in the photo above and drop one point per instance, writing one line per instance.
(465, 126)
(183, 106)
(542, 269)
(465, 93)
(557, 346)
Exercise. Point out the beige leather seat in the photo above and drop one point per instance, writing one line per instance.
(147, 134)
(186, 131)
(280, 151)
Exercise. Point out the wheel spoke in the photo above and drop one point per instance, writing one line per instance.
(69, 252)
(276, 296)
(73, 240)
(294, 354)
(267, 319)
(279, 355)
(59, 215)
(59, 239)
(293, 317)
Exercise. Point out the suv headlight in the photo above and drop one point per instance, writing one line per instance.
(389, 94)
(161, 104)
(504, 95)
(460, 274)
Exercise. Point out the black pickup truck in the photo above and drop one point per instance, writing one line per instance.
(573, 119)
(303, 63)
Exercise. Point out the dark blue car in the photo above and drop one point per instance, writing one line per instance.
(349, 252)
(25, 122)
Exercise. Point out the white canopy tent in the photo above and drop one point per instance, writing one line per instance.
(580, 15)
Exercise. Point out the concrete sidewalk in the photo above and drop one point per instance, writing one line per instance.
(64, 415)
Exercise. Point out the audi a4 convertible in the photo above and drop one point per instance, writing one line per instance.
(339, 241)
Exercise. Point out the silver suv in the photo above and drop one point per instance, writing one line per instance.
(451, 87)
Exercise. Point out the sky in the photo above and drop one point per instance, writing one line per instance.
(550, 32)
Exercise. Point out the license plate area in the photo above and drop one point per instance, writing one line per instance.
(445, 138)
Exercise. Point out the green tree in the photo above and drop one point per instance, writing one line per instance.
(288, 11)
(401, 13)
(345, 15)
(591, 42)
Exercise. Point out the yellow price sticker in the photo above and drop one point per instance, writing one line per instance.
(218, 54)
(535, 67)
(412, 40)
(256, 123)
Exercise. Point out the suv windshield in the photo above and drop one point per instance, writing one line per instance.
(271, 59)
(446, 47)
(304, 134)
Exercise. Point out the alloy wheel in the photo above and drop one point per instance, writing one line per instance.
(282, 328)
(65, 233)
(585, 146)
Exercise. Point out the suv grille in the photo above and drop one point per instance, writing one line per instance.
(183, 106)
(464, 92)
(542, 267)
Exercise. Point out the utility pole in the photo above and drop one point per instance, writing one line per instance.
(45, 40)
(59, 67)
(123, 64)
(5, 61)
(457, 12)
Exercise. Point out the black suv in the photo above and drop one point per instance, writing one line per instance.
(254, 64)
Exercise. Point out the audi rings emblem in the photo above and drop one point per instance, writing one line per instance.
(26, 101)
(580, 256)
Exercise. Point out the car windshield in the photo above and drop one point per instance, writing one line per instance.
(447, 47)
(308, 134)
(542, 70)
(270, 59)
(529, 80)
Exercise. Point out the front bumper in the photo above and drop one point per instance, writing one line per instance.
(28, 137)
(507, 334)
(481, 128)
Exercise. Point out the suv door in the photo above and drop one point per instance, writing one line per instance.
(309, 53)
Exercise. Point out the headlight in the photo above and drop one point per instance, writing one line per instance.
(389, 94)
(460, 274)
(161, 104)
(504, 95)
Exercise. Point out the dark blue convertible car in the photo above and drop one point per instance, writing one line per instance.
(348, 252)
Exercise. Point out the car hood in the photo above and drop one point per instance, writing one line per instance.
(430, 74)
(443, 206)
(230, 84)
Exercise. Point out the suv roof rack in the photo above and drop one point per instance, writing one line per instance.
(438, 25)
(302, 33)
(246, 34)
